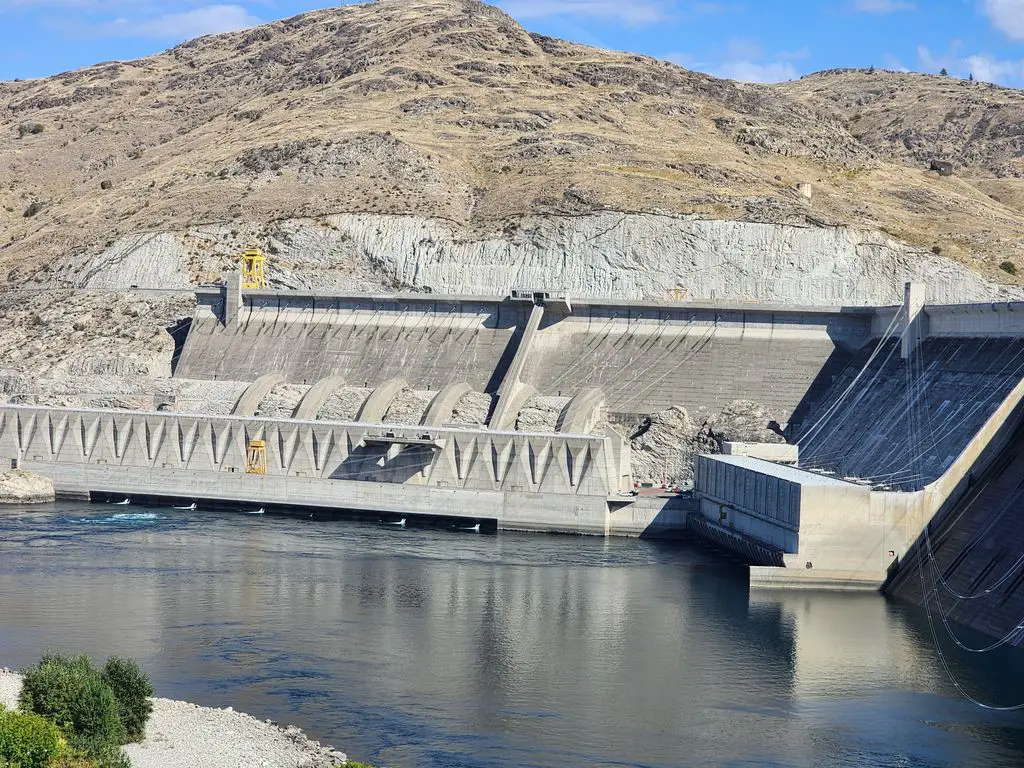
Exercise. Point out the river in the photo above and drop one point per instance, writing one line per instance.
(414, 647)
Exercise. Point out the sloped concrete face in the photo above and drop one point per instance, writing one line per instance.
(647, 358)
(377, 404)
(253, 396)
(956, 384)
(441, 407)
(315, 398)
(366, 340)
(581, 413)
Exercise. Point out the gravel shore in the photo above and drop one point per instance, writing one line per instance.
(181, 735)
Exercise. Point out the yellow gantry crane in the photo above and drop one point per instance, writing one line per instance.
(256, 458)
(254, 269)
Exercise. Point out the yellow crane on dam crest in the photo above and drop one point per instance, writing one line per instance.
(254, 269)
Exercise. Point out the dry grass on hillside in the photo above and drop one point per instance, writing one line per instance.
(448, 108)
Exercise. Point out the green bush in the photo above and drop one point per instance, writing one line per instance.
(70, 691)
(132, 691)
(28, 741)
(1009, 267)
(96, 753)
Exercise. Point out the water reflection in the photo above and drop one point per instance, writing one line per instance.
(414, 647)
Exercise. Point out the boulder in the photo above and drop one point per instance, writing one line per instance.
(942, 167)
(744, 421)
(20, 487)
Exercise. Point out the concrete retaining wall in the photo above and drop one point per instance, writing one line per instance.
(526, 482)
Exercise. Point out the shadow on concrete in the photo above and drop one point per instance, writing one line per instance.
(179, 332)
(372, 463)
(846, 351)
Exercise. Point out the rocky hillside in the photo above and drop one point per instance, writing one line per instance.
(449, 113)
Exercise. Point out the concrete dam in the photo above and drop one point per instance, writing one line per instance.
(819, 444)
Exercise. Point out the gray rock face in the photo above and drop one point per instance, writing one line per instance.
(19, 487)
(408, 407)
(664, 449)
(472, 409)
(281, 401)
(629, 256)
(743, 421)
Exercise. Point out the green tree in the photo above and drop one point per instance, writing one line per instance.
(133, 693)
(69, 691)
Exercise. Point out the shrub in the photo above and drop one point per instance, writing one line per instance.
(1009, 267)
(70, 692)
(132, 690)
(94, 753)
(28, 740)
(29, 129)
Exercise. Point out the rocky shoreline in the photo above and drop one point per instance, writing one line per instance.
(182, 735)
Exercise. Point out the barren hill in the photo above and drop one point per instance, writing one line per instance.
(449, 111)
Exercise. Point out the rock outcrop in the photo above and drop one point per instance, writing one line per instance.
(629, 256)
(20, 487)
(665, 446)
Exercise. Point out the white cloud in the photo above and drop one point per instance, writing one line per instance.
(208, 20)
(992, 70)
(744, 59)
(800, 53)
(889, 61)
(743, 48)
(627, 11)
(1007, 16)
(755, 72)
(882, 6)
(984, 67)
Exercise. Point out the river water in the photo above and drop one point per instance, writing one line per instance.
(411, 647)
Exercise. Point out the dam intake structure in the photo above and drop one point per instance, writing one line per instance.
(786, 428)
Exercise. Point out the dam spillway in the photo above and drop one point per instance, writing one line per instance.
(537, 412)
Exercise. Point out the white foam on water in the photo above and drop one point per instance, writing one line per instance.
(125, 517)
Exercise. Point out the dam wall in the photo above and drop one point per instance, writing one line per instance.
(642, 357)
(649, 357)
(429, 343)
(566, 483)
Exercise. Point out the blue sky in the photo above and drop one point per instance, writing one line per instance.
(754, 40)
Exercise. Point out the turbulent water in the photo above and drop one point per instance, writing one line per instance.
(421, 648)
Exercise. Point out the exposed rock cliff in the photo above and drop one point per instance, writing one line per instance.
(636, 256)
